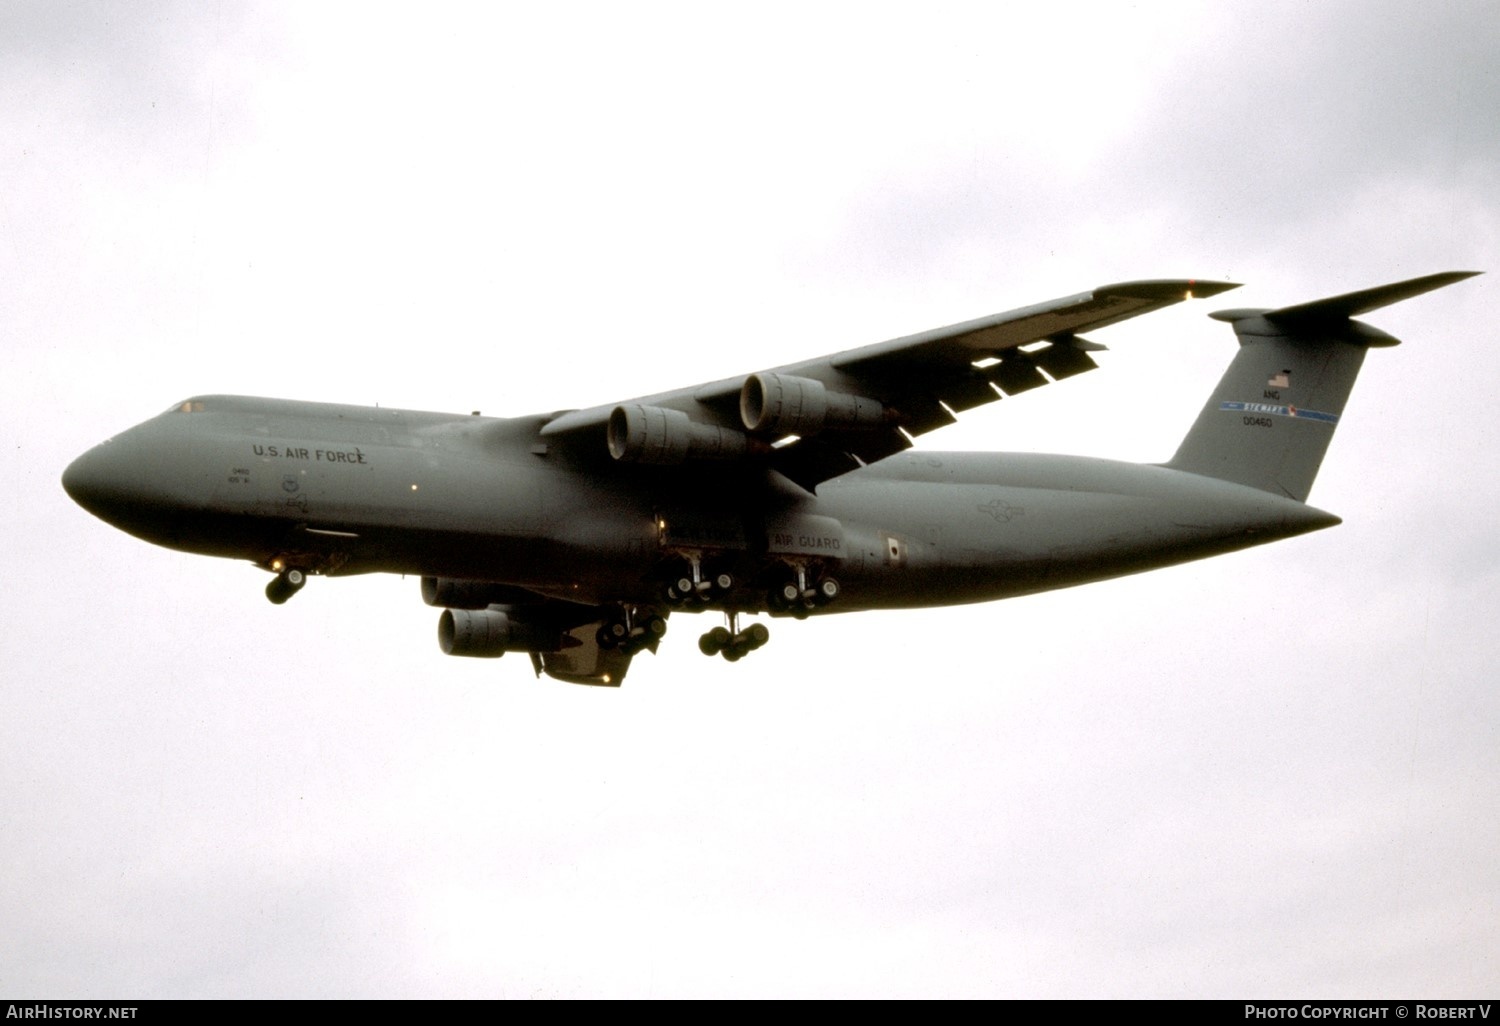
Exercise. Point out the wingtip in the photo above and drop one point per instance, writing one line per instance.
(1207, 289)
(1167, 289)
(1429, 282)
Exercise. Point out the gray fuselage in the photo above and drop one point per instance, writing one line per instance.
(344, 489)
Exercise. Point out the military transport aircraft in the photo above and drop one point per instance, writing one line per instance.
(573, 536)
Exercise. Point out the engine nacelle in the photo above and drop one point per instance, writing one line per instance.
(451, 593)
(482, 633)
(784, 405)
(659, 436)
(490, 633)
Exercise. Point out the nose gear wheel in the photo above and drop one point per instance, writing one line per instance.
(285, 584)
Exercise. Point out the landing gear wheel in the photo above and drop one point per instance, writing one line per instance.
(731, 642)
(284, 585)
(612, 634)
(714, 642)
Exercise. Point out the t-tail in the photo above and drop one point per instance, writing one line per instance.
(1269, 422)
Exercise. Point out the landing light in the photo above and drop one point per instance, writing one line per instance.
(277, 565)
(413, 487)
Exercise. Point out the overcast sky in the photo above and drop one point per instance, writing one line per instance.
(1273, 773)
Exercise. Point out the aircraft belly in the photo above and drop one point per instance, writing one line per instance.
(972, 540)
(601, 543)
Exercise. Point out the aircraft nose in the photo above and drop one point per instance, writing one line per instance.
(101, 480)
(86, 481)
(146, 481)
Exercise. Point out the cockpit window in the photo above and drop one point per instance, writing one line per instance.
(190, 406)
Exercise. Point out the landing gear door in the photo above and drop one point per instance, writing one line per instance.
(805, 536)
(694, 530)
(583, 661)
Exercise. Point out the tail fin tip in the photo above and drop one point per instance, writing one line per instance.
(1268, 423)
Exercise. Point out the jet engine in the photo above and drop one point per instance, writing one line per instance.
(781, 404)
(560, 648)
(659, 436)
(490, 633)
(451, 593)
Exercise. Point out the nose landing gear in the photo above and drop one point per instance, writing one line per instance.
(285, 584)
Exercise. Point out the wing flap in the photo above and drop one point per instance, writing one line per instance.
(1016, 374)
(965, 394)
(1063, 360)
(872, 446)
(920, 416)
(812, 461)
(964, 343)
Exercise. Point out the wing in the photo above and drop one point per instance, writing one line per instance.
(818, 419)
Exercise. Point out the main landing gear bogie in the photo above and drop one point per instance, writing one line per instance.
(802, 592)
(731, 642)
(632, 631)
(684, 589)
(694, 585)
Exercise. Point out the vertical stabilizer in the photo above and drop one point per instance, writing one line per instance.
(1269, 422)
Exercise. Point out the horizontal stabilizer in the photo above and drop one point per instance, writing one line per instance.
(1350, 304)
